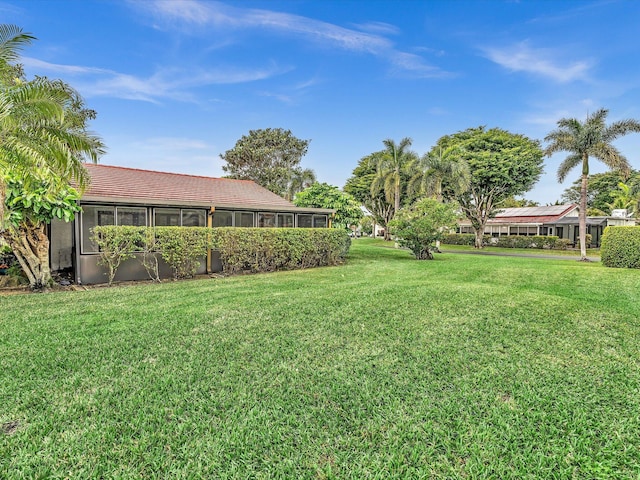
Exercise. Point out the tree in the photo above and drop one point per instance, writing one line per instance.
(390, 164)
(300, 179)
(43, 142)
(359, 185)
(421, 225)
(323, 195)
(439, 167)
(600, 189)
(591, 138)
(624, 198)
(501, 165)
(30, 210)
(270, 157)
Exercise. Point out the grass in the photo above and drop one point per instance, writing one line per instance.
(463, 367)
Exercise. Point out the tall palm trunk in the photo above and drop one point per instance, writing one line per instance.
(582, 217)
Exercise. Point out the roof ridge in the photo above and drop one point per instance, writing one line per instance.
(101, 165)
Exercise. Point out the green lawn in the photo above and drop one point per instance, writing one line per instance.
(463, 367)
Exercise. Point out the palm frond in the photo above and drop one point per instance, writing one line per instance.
(567, 165)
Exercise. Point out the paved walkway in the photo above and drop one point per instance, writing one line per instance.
(526, 255)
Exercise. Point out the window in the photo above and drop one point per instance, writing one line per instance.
(93, 216)
(194, 218)
(285, 220)
(319, 221)
(243, 219)
(166, 217)
(266, 219)
(132, 216)
(305, 221)
(222, 218)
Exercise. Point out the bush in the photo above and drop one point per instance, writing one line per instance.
(241, 249)
(115, 244)
(562, 244)
(521, 241)
(270, 249)
(182, 248)
(463, 239)
(620, 247)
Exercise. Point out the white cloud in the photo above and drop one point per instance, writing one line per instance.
(538, 61)
(192, 14)
(163, 84)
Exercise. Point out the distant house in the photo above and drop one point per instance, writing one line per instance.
(127, 196)
(557, 220)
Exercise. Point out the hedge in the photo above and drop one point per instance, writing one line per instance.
(241, 249)
(620, 247)
(463, 239)
(521, 241)
(269, 249)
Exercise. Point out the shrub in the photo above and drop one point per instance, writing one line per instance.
(620, 247)
(183, 248)
(562, 244)
(115, 244)
(522, 241)
(463, 239)
(269, 249)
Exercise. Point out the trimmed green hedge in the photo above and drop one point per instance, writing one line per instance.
(463, 239)
(620, 247)
(521, 241)
(241, 249)
(270, 249)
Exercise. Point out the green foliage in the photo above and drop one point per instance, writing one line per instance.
(270, 249)
(501, 165)
(270, 157)
(115, 244)
(620, 247)
(601, 188)
(562, 244)
(323, 195)
(522, 241)
(421, 225)
(461, 239)
(40, 203)
(182, 248)
(393, 165)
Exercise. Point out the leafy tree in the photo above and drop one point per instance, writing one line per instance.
(501, 165)
(270, 157)
(601, 188)
(43, 142)
(323, 195)
(421, 225)
(30, 210)
(513, 202)
(391, 163)
(359, 185)
(591, 138)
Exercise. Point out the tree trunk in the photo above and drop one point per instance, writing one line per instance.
(479, 236)
(582, 218)
(30, 245)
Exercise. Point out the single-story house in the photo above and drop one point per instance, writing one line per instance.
(558, 220)
(128, 196)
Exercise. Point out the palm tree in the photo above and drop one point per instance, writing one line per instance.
(591, 138)
(300, 179)
(390, 164)
(42, 123)
(439, 167)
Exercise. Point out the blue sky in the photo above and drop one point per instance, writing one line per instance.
(176, 83)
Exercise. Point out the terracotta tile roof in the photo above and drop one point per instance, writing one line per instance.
(130, 185)
(536, 215)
